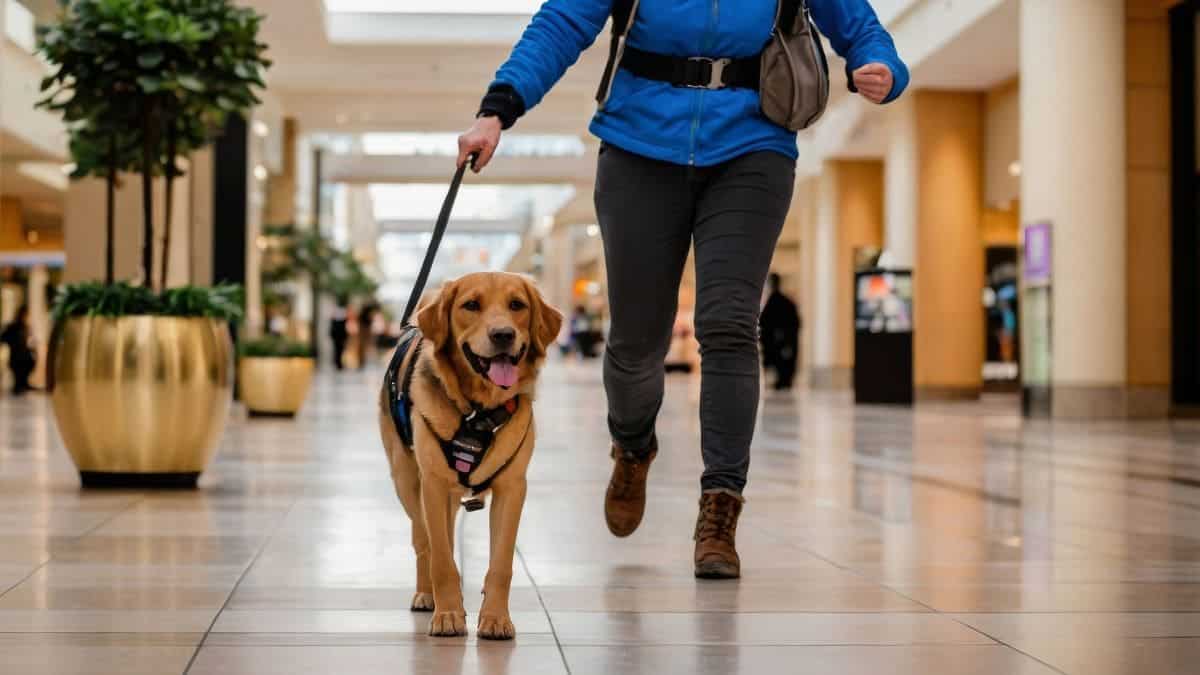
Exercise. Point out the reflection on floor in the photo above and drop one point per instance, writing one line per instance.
(959, 539)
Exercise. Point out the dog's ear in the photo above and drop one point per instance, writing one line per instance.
(434, 318)
(544, 320)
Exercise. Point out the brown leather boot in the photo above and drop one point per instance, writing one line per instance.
(625, 501)
(716, 528)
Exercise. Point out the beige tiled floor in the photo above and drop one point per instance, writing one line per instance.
(953, 539)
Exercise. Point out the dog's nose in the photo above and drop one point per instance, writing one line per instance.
(502, 337)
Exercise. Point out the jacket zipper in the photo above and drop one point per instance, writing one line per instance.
(714, 18)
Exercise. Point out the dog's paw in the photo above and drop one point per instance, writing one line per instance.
(422, 602)
(448, 624)
(496, 628)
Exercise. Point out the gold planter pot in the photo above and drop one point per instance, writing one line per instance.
(141, 400)
(273, 386)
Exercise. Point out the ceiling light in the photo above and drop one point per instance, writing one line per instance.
(261, 129)
(593, 230)
(1014, 169)
(260, 172)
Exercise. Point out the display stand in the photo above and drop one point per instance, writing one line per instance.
(883, 337)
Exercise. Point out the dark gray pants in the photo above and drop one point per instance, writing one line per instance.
(650, 212)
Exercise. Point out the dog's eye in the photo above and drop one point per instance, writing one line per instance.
(472, 306)
(517, 305)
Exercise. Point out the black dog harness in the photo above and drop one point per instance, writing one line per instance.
(476, 432)
(399, 388)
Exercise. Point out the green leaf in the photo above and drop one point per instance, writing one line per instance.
(149, 60)
(149, 83)
(190, 83)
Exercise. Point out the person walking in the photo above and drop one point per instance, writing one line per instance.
(780, 334)
(682, 164)
(339, 333)
(21, 357)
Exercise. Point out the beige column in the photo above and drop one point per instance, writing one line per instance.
(948, 340)
(84, 229)
(39, 319)
(281, 187)
(1074, 157)
(900, 183)
(805, 206)
(200, 218)
(849, 217)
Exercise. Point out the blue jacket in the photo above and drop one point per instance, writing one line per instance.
(676, 124)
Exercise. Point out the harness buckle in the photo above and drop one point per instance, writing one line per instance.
(716, 72)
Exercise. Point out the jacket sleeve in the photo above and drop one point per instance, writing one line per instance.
(859, 38)
(552, 41)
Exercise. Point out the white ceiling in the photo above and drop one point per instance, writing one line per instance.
(982, 56)
(402, 86)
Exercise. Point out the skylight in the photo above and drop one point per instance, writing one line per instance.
(433, 6)
(418, 201)
(446, 144)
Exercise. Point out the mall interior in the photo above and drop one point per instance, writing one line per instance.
(989, 462)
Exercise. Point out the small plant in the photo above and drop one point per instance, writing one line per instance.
(93, 298)
(275, 346)
(297, 253)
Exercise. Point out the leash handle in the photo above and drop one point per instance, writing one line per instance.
(439, 229)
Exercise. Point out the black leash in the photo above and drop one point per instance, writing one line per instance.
(439, 229)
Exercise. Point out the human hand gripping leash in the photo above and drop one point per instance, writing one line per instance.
(439, 229)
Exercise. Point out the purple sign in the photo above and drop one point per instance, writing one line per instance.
(1038, 254)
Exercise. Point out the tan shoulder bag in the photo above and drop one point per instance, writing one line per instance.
(794, 78)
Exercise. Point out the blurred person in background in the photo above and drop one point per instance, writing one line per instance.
(339, 333)
(779, 332)
(21, 357)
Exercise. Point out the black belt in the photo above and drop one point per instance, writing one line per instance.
(699, 72)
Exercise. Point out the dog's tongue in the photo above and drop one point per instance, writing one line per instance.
(502, 373)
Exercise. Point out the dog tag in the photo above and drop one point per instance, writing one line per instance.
(462, 466)
(473, 504)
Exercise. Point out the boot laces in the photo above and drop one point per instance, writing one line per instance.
(718, 519)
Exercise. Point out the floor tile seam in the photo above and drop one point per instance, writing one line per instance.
(50, 555)
(991, 644)
(549, 619)
(1071, 611)
(935, 611)
(237, 584)
(918, 528)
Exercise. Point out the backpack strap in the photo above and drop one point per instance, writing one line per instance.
(623, 14)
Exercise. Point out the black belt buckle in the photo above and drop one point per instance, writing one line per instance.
(714, 78)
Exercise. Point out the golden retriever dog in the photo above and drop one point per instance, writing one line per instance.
(485, 339)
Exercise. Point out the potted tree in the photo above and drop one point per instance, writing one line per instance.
(275, 372)
(141, 375)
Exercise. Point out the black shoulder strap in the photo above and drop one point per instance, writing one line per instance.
(788, 11)
(623, 14)
(622, 11)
